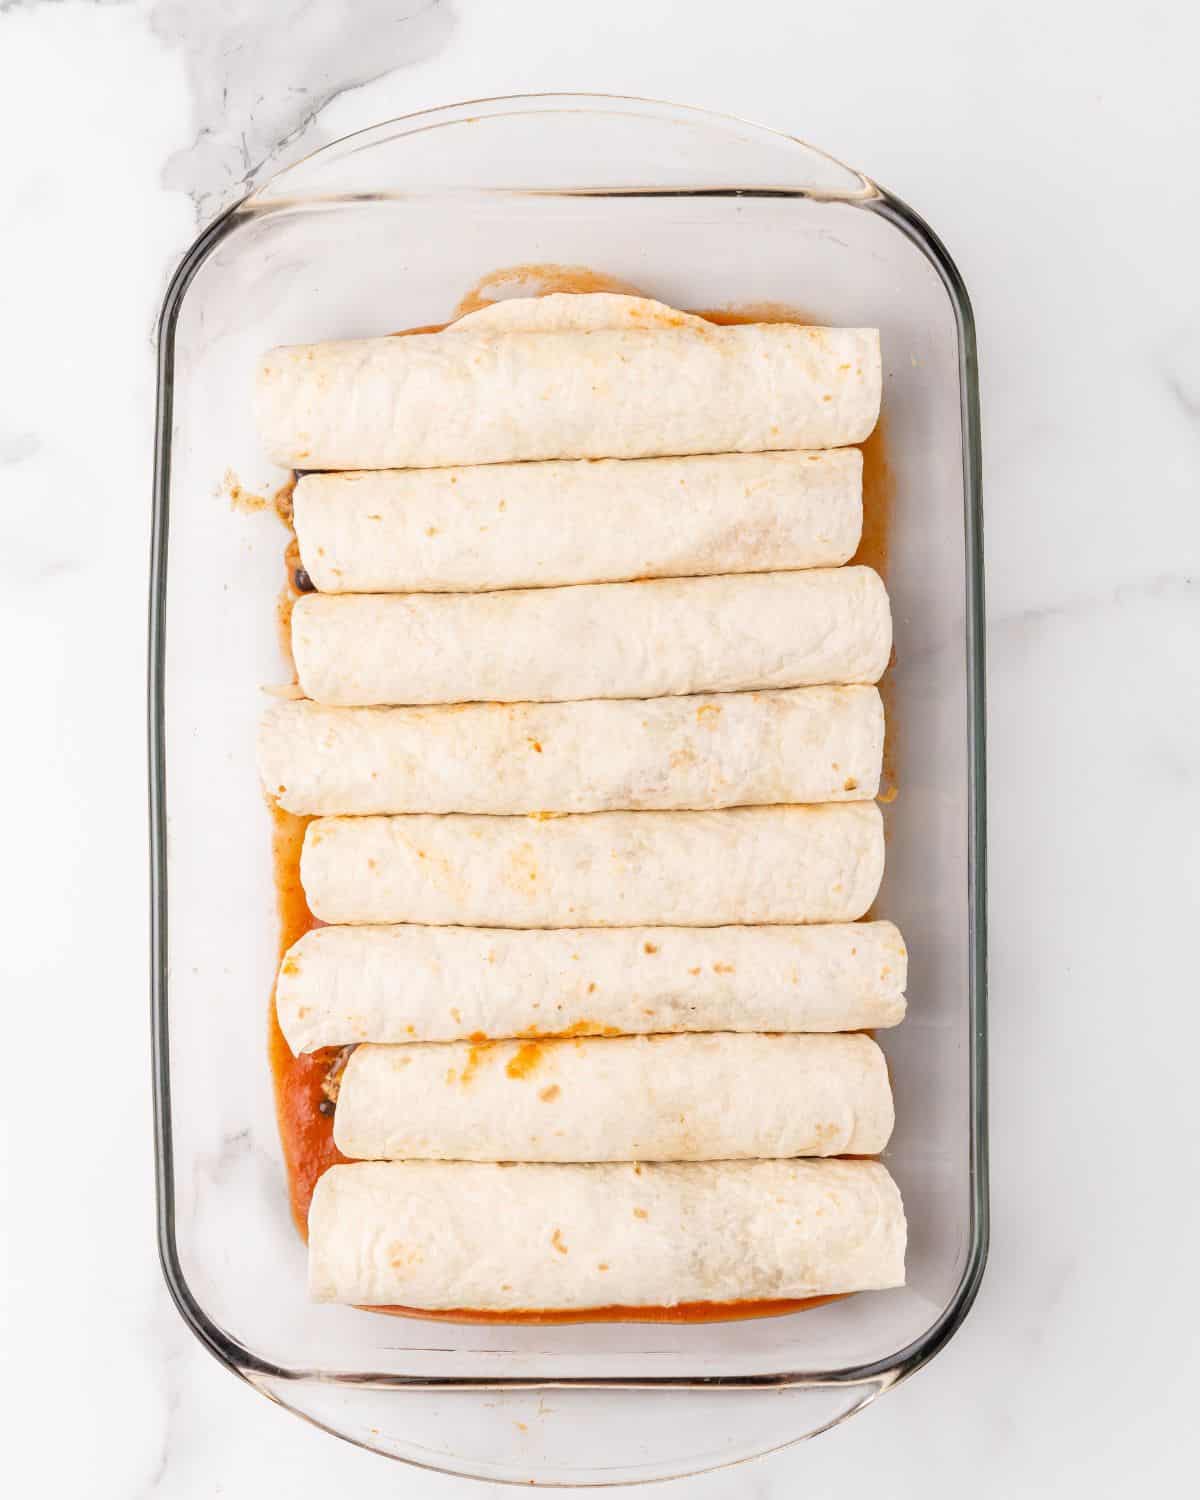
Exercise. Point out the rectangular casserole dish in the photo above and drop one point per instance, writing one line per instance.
(383, 231)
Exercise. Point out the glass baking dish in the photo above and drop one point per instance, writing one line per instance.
(386, 230)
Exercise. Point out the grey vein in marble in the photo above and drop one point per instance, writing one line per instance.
(256, 99)
(1160, 588)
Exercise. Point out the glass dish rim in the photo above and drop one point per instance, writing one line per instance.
(881, 1373)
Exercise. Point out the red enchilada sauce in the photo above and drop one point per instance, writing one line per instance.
(304, 1113)
(305, 1130)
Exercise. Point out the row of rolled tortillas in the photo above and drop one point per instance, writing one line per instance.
(529, 748)
(409, 983)
(493, 526)
(451, 1235)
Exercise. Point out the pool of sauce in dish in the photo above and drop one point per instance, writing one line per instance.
(306, 1132)
(682, 1312)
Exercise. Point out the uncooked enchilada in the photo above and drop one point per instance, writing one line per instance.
(461, 1234)
(610, 640)
(408, 983)
(817, 744)
(613, 869)
(716, 1096)
(432, 400)
(499, 526)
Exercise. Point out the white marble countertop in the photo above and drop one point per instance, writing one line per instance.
(1053, 148)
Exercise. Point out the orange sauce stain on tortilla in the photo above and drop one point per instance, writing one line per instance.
(575, 1029)
(524, 1060)
(307, 1134)
(475, 1056)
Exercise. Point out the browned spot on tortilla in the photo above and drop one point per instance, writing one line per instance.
(556, 1240)
(649, 947)
(723, 968)
(548, 1095)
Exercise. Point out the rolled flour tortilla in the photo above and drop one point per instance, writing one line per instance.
(743, 865)
(819, 744)
(340, 985)
(607, 640)
(504, 526)
(434, 400)
(440, 1235)
(559, 312)
(720, 1096)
